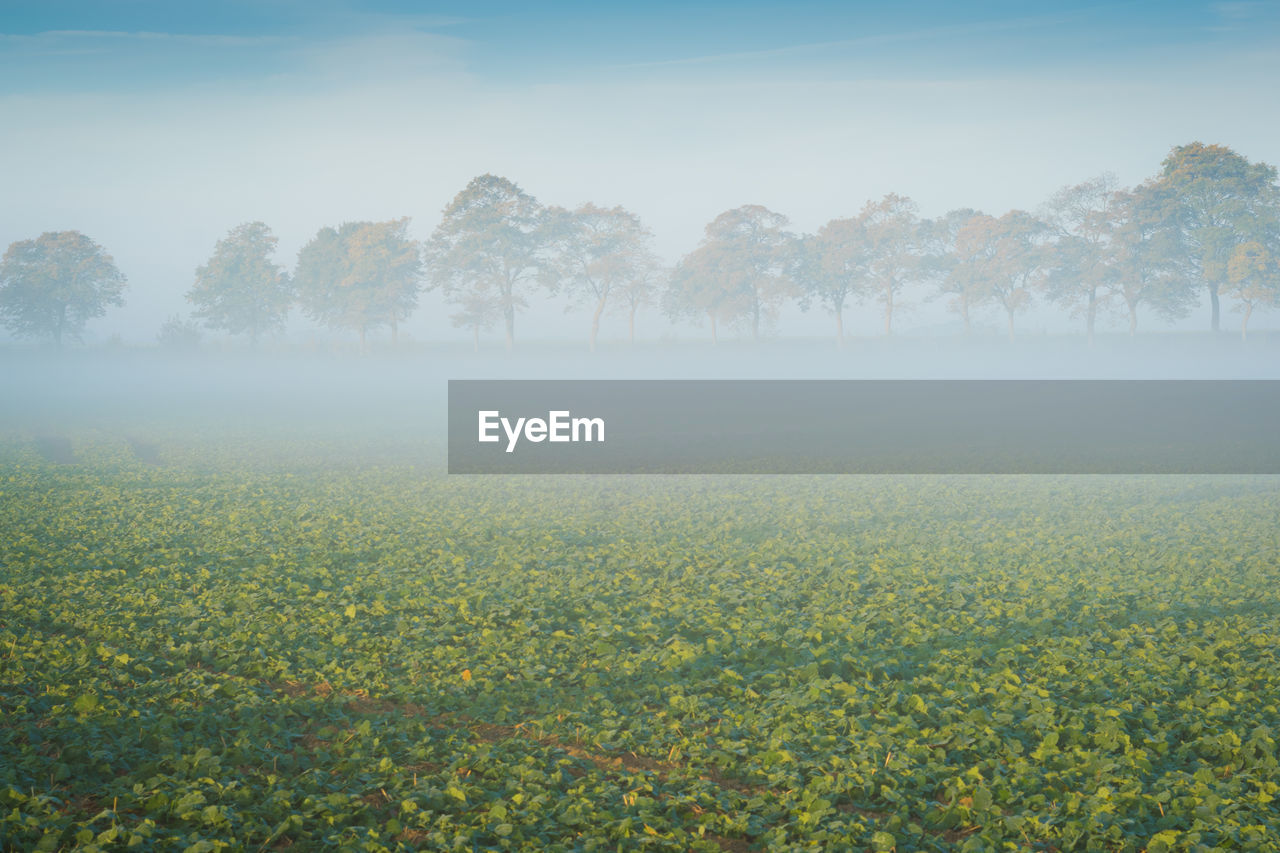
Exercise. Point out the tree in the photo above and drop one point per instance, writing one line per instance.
(831, 267)
(943, 263)
(696, 289)
(476, 312)
(1082, 220)
(385, 260)
(641, 289)
(1003, 259)
(595, 252)
(1253, 277)
(1142, 268)
(739, 273)
(360, 276)
(492, 241)
(1217, 198)
(52, 285)
(892, 236)
(241, 290)
(178, 335)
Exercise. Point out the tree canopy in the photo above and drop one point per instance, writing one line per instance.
(893, 238)
(491, 240)
(360, 276)
(740, 273)
(595, 252)
(944, 265)
(1207, 224)
(1082, 223)
(830, 267)
(1003, 260)
(52, 285)
(1218, 200)
(241, 290)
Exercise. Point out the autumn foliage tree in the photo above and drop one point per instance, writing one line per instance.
(1003, 260)
(1253, 278)
(360, 276)
(1217, 197)
(594, 253)
(52, 285)
(1142, 266)
(891, 229)
(739, 274)
(831, 268)
(944, 265)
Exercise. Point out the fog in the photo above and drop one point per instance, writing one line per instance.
(155, 142)
(390, 406)
(155, 131)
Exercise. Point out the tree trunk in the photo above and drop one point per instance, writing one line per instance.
(712, 317)
(1091, 315)
(1213, 300)
(631, 326)
(888, 307)
(1010, 313)
(509, 315)
(964, 313)
(595, 322)
(840, 326)
(1244, 325)
(1133, 319)
(62, 321)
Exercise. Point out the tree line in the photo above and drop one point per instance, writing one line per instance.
(1208, 222)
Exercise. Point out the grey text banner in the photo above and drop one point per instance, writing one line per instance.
(864, 426)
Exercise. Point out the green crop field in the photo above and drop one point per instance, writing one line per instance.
(257, 653)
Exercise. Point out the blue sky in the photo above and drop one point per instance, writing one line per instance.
(155, 127)
(146, 45)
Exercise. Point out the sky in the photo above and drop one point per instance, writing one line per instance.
(156, 127)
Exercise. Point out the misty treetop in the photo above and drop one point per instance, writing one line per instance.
(1251, 273)
(360, 276)
(1218, 201)
(1083, 221)
(739, 274)
(1207, 222)
(1005, 260)
(597, 252)
(241, 290)
(943, 262)
(492, 241)
(495, 242)
(52, 285)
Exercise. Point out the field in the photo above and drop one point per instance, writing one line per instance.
(252, 652)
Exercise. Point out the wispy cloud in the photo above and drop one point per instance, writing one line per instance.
(1253, 16)
(386, 57)
(209, 39)
(374, 54)
(915, 35)
(1241, 11)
